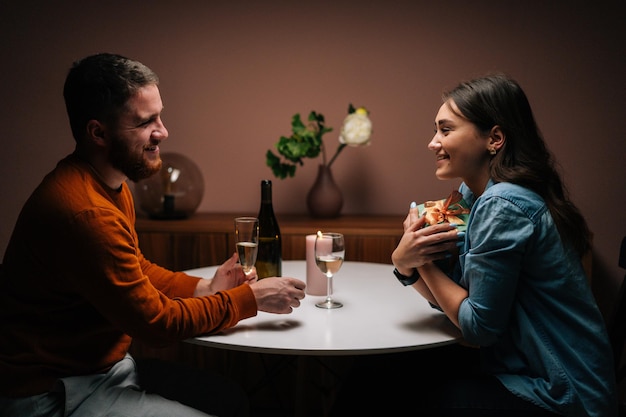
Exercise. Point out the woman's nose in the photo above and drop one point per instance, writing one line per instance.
(434, 144)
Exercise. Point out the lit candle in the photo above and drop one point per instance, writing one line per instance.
(315, 279)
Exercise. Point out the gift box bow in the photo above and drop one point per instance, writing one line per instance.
(449, 210)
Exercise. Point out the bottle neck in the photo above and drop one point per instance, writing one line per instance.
(266, 197)
(266, 192)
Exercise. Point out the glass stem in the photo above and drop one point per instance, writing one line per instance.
(329, 289)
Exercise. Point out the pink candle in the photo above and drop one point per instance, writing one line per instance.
(315, 280)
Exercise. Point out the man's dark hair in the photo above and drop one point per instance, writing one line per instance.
(98, 87)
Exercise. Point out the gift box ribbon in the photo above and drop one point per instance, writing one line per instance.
(452, 210)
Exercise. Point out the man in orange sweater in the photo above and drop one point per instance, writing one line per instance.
(75, 287)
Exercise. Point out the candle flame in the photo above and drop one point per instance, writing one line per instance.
(319, 233)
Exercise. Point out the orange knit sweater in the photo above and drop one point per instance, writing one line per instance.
(75, 287)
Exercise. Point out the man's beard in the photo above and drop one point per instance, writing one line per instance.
(133, 165)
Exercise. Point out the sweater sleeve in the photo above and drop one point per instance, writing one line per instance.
(172, 284)
(121, 285)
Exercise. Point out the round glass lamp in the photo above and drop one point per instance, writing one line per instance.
(175, 192)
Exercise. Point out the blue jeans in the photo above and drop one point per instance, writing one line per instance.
(130, 389)
(478, 396)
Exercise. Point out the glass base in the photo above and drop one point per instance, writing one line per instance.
(328, 304)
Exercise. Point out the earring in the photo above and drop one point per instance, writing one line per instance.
(492, 151)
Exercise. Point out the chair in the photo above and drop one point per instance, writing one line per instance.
(617, 327)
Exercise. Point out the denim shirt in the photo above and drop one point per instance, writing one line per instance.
(530, 307)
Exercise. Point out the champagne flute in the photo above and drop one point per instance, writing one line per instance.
(247, 241)
(329, 253)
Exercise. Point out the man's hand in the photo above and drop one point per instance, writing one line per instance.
(278, 294)
(228, 275)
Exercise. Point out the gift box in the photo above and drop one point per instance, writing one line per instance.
(449, 210)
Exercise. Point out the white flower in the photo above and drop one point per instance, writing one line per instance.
(306, 140)
(356, 129)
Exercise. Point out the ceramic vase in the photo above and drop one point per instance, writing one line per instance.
(324, 200)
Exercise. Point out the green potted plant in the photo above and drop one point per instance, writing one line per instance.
(306, 141)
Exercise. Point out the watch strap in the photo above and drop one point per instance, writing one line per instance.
(404, 280)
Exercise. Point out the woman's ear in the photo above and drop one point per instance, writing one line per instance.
(496, 138)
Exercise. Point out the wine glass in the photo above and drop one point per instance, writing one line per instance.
(247, 241)
(329, 253)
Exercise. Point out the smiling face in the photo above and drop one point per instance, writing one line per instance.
(135, 138)
(462, 151)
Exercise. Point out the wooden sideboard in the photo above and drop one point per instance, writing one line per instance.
(206, 239)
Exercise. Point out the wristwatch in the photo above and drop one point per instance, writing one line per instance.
(404, 280)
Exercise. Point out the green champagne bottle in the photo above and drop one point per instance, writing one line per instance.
(269, 256)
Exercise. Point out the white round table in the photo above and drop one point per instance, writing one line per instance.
(379, 315)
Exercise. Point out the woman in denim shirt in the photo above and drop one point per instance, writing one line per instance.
(518, 291)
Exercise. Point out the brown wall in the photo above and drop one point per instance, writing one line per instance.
(234, 72)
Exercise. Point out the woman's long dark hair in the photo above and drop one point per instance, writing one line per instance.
(524, 159)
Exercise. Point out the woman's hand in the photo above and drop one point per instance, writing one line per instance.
(420, 245)
(412, 217)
